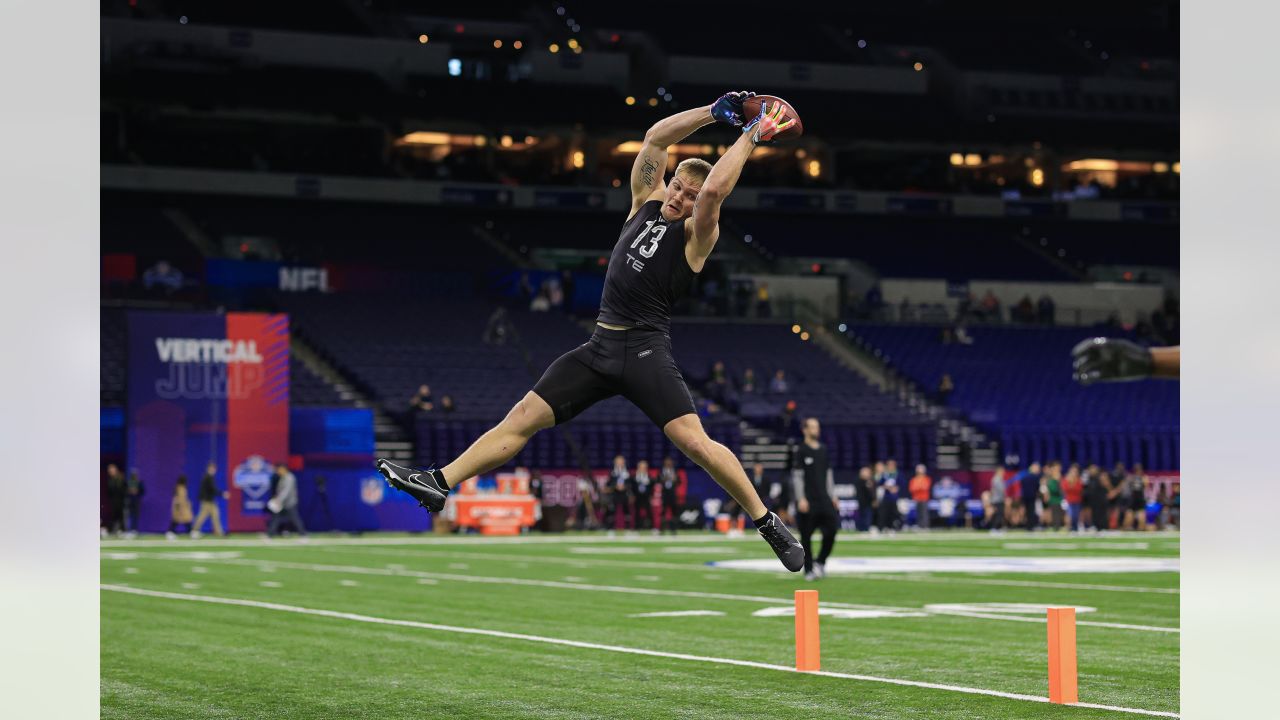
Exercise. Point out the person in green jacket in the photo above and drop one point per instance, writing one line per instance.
(1051, 493)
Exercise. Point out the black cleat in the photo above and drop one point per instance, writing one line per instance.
(423, 485)
(788, 549)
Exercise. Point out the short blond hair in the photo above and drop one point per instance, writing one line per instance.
(694, 169)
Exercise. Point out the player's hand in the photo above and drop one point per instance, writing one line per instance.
(767, 124)
(728, 109)
(1109, 360)
(803, 505)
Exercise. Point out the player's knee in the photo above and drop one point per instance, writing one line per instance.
(698, 448)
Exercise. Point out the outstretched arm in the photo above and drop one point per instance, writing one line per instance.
(651, 162)
(724, 176)
(650, 165)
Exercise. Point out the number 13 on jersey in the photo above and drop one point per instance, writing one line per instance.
(652, 247)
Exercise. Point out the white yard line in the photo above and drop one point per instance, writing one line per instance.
(1089, 623)
(623, 589)
(1015, 583)
(353, 617)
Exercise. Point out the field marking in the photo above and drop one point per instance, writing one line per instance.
(1022, 583)
(1035, 564)
(847, 536)
(524, 560)
(624, 589)
(271, 584)
(679, 613)
(353, 617)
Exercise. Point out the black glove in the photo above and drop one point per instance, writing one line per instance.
(728, 109)
(1110, 360)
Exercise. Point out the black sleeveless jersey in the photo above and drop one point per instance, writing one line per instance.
(648, 272)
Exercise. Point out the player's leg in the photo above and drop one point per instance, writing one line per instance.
(568, 387)
(719, 461)
(503, 441)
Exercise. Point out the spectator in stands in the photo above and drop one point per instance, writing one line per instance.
(284, 503)
(209, 502)
(788, 423)
(749, 381)
(1051, 494)
(541, 302)
(669, 481)
(117, 489)
(1175, 505)
(946, 386)
(1121, 495)
(179, 508)
(865, 490)
(1073, 493)
(889, 517)
(993, 507)
(642, 493)
(778, 385)
(555, 295)
(1135, 515)
(422, 400)
(618, 488)
(447, 405)
(1029, 487)
(906, 313)
(965, 307)
(1024, 311)
(163, 276)
(496, 329)
(950, 494)
(921, 489)
(764, 306)
(134, 490)
(990, 307)
(1045, 310)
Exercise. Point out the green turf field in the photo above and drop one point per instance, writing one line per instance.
(426, 626)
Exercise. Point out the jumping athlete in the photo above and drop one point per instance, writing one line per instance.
(666, 240)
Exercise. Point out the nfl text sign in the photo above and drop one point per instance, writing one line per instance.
(207, 387)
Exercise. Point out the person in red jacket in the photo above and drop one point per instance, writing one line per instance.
(921, 489)
(1073, 492)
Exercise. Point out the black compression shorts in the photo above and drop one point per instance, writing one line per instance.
(636, 364)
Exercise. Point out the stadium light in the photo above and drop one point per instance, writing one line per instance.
(1037, 177)
(497, 44)
(653, 102)
(455, 67)
(630, 100)
(573, 43)
(972, 159)
(424, 39)
(579, 158)
(957, 159)
(1177, 168)
(517, 44)
(804, 336)
(795, 329)
(918, 66)
(554, 48)
(1160, 167)
(815, 168)
(506, 141)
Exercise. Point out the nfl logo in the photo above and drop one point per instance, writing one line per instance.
(371, 489)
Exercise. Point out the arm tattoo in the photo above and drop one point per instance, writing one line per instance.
(646, 172)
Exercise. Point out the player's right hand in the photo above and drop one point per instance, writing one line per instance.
(728, 109)
(766, 125)
(1102, 359)
(803, 505)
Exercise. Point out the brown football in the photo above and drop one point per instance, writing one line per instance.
(751, 108)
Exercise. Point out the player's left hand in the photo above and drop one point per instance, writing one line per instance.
(1102, 359)
(767, 123)
(728, 109)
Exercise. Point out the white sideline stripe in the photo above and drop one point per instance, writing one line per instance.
(597, 646)
(506, 557)
(1019, 583)
(944, 537)
(421, 574)
(679, 613)
(1091, 623)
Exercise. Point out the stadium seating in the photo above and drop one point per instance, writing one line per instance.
(1017, 383)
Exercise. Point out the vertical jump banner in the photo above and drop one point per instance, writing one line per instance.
(204, 386)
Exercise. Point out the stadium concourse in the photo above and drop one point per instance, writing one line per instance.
(366, 230)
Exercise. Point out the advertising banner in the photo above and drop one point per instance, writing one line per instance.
(205, 387)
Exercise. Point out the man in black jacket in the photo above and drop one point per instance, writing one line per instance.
(815, 493)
